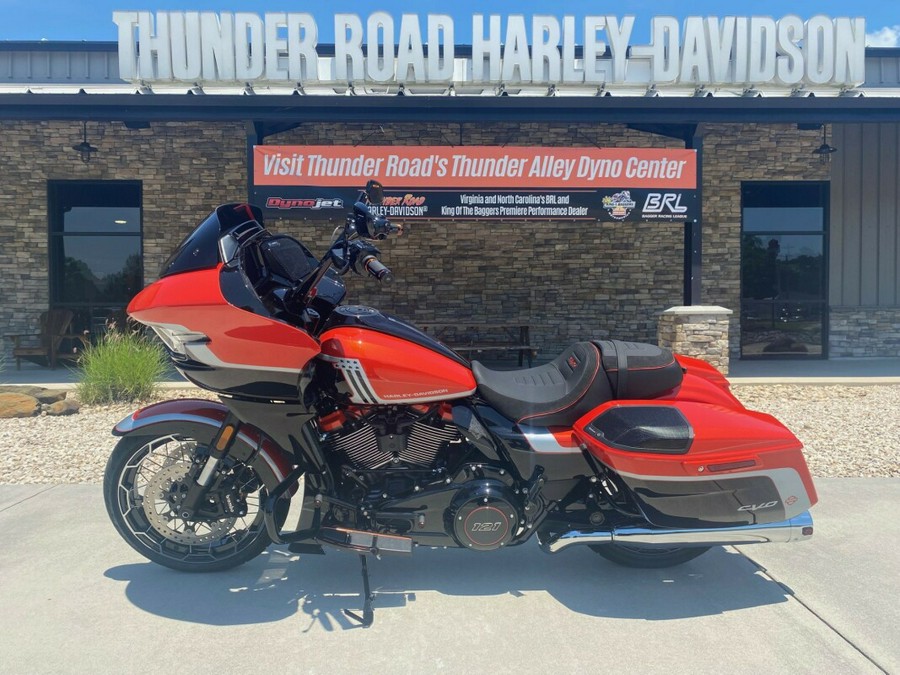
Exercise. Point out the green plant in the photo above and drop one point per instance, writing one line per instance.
(123, 366)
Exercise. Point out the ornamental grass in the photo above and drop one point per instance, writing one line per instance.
(123, 367)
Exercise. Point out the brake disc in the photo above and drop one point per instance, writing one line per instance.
(160, 507)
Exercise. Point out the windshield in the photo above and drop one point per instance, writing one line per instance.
(200, 249)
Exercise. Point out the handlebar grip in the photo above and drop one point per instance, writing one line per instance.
(378, 270)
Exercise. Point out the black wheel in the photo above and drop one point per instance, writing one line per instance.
(145, 473)
(648, 556)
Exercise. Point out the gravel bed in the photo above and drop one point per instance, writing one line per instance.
(70, 449)
(847, 431)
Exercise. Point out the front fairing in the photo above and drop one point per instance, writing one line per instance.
(220, 346)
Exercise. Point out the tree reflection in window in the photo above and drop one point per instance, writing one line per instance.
(96, 263)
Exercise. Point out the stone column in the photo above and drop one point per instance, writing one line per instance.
(699, 331)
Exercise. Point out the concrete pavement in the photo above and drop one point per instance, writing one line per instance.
(821, 372)
(75, 598)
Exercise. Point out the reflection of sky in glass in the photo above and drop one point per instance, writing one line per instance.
(809, 219)
(101, 219)
(103, 255)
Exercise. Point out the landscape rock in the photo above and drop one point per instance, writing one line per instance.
(50, 395)
(42, 394)
(27, 389)
(18, 405)
(63, 408)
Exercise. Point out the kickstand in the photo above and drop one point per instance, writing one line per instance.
(368, 615)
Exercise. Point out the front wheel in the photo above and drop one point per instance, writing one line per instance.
(648, 557)
(143, 478)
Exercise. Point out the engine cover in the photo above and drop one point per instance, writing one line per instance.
(484, 516)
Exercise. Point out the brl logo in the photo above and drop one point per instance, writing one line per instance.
(663, 202)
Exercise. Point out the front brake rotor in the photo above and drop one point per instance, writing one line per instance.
(160, 505)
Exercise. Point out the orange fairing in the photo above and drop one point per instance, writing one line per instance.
(395, 370)
(237, 338)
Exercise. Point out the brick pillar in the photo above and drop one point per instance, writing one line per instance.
(698, 331)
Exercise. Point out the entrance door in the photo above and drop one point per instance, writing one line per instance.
(95, 250)
(783, 269)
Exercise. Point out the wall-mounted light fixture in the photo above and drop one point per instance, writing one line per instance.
(84, 149)
(824, 151)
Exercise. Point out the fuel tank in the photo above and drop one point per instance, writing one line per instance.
(387, 361)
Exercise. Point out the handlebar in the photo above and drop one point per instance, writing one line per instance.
(377, 269)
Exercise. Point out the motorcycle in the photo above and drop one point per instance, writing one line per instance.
(390, 440)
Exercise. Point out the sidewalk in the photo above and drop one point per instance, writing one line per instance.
(821, 372)
(825, 372)
(77, 599)
(62, 377)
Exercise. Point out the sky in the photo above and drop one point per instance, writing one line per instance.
(92, 19)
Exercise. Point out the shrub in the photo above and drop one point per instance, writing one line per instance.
(123, 366)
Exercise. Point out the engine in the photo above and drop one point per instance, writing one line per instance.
(404, 437)
(412, 460)
(484, 515)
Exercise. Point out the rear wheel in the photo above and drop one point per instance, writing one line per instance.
(648, 556)
(143, 479)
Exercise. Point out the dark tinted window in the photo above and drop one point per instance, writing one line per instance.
(783, 269)
(100, 269)
(96, 264)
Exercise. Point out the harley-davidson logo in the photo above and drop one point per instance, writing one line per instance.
(416, 394)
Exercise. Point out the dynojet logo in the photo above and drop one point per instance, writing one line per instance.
(283, 47)
(314, 204)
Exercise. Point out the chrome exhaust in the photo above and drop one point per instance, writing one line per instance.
(798, 528)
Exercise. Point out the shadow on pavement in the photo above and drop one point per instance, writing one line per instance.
(278, 584)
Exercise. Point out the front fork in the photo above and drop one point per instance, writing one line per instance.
(200, 476)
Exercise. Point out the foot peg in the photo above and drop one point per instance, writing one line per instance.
(364, 542)
(307, 549)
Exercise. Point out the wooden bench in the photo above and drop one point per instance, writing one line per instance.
(476, 338)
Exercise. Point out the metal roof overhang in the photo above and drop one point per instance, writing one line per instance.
(297, 109)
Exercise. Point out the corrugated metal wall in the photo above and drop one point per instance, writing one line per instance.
(865, 216)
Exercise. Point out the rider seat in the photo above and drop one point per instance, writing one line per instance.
(578, 380)
(553, 394)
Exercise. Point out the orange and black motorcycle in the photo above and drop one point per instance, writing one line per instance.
(391, 440)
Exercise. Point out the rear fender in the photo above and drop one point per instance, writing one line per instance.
(702, 383)
(186, 415)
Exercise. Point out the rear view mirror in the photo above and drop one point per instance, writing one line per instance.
(374, 192)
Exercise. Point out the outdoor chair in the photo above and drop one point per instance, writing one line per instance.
(54, 325)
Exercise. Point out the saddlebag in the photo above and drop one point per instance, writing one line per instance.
(688, 464)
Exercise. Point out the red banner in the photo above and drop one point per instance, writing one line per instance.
(475, 167)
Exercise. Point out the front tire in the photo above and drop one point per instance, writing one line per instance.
(648, 557)
(141, 474)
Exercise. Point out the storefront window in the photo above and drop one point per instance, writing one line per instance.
(96, 262)
(783, 270)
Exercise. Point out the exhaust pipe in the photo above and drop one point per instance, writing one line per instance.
(798, 528)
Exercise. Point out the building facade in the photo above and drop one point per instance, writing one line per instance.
(802, 246)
